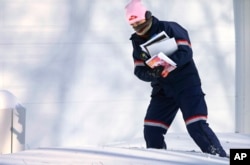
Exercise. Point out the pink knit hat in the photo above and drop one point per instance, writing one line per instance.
(135, 11)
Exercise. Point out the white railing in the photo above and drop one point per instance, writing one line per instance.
(12, 124)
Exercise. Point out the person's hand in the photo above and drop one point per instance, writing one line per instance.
(156, 71)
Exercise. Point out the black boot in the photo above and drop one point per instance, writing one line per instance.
(205, 138)
(217, 151)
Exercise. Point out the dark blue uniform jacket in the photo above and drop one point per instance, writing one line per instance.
(185, 75)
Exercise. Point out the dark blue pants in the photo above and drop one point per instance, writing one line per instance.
(162, 110)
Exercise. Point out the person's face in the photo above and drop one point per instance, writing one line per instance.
(141, 27)
(138, 23)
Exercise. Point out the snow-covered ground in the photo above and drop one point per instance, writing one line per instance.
(181, 150)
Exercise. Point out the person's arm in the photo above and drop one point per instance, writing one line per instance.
(141, 70)
(144, 73)
(184, 54)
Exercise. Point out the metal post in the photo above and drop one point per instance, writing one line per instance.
(242, 33)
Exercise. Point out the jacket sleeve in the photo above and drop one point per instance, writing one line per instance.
(141, 70)
(184, 54)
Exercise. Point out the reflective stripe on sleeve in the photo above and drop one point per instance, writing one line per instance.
(139, 63)
(183, 42)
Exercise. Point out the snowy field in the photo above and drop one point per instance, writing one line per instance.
(181, 150)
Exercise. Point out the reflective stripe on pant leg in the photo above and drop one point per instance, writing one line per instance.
(156, 124)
